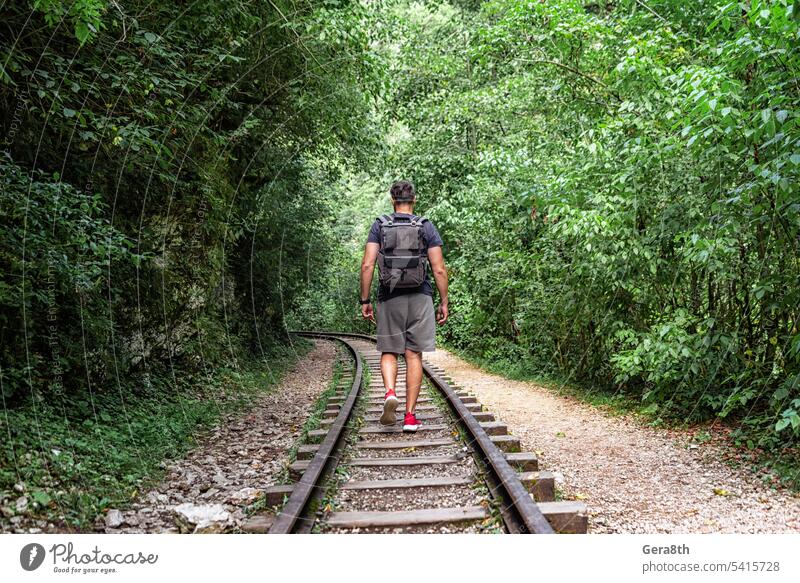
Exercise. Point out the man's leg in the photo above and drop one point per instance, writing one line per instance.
(420, 337)
(389, 370)
(413, 378)
(391, 342)
(390, 400)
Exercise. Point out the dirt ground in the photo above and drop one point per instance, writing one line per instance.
(633, 478)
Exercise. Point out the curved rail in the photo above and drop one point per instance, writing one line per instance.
(291, 515)
(522, 515)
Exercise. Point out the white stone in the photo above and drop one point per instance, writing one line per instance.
(245, 496)
(202, 518)
(114, 518)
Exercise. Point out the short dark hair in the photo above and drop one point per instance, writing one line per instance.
(402, 191)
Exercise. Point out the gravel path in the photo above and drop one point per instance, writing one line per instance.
(633, 478)
(238, 458)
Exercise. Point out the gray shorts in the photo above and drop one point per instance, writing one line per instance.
(405, 322)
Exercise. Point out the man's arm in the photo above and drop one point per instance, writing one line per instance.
(367, 269)
(436, 259)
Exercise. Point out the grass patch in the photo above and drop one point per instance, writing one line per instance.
(74, 459)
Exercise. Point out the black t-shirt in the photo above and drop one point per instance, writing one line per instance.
(430, 238)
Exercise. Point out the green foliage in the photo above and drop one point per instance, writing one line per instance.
(172, 170)
(63, 242)
(617, 188)
(330, 302)
(85, 15)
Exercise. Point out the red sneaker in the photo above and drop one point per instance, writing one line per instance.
(390, 402)
(410, 423)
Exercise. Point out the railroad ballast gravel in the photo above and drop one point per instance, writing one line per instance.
(407, 499)
(237, 459)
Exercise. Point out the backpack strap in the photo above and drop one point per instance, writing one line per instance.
(386, 220)
(416, 220)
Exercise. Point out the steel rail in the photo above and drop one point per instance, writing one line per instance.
(286, 522)
(504, 479)
(504, 475)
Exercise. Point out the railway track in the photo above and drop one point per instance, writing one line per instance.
(461, 472)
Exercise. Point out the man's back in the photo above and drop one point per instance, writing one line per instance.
(430, 238)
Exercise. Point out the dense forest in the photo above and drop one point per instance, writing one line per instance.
(616, 184)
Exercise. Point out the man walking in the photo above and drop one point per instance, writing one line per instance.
(403, 244)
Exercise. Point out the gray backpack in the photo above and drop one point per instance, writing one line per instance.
(402, 258)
